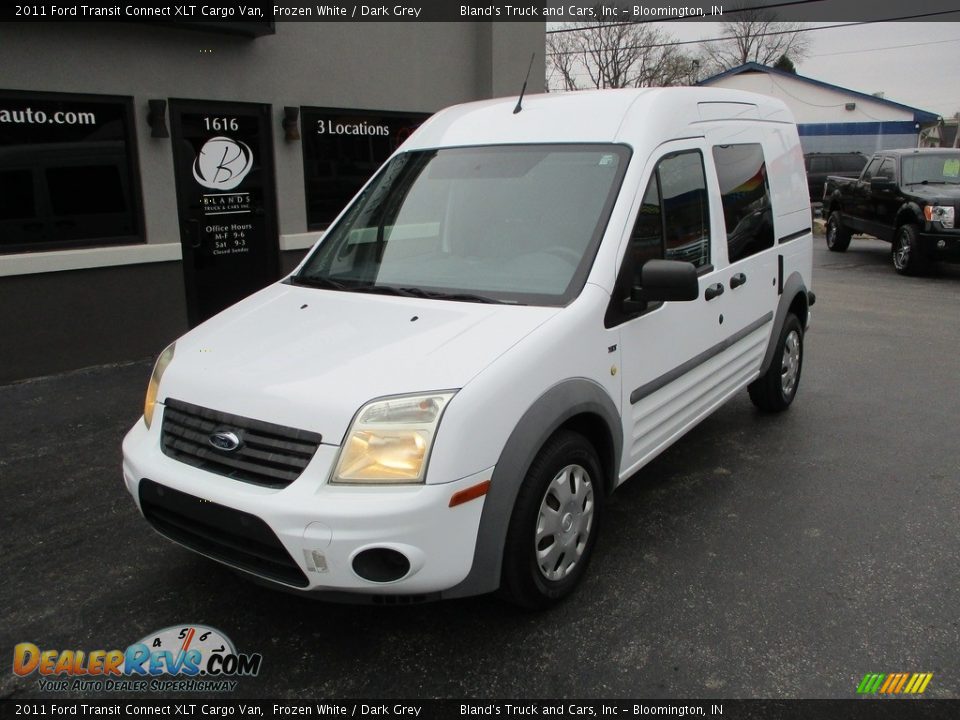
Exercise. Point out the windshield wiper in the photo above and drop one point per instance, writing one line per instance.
(461, 296)
(427, 294)
(318, 282)
(415, 292)
(383, 290)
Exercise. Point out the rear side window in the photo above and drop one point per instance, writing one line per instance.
(745, 192)
(817, 164)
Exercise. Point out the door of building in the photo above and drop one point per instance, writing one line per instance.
(226, 201)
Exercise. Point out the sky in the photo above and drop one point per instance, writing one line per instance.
(925, 75)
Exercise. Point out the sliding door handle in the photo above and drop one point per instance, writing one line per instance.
(715, 290)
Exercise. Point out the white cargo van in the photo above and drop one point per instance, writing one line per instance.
(516, 313)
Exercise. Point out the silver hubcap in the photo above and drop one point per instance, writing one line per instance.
(564, 522)
(790, 367)
(831, 233)
(901, 256)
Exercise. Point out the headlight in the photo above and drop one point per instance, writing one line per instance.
(165, 357)
(939, 213)
(389, 440)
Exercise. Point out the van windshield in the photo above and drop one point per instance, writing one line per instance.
(511, 223)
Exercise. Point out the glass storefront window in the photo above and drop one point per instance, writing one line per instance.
(68, 174)
(342, 149)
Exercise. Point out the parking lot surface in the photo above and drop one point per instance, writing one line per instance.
(761, 556)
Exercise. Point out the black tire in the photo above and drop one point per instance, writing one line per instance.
(523, 582)
(906, 254)
(771, 392)
(838, 236)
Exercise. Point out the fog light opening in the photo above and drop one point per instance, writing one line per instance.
(381, 565)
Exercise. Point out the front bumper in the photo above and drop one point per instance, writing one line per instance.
(942, 245)
(320, 528)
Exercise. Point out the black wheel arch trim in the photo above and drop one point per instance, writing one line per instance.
(908, 209)
(542, 419)
(792, 287)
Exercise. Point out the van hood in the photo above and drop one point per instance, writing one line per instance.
(310, 358)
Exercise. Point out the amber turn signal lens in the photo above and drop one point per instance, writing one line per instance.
(471, 493)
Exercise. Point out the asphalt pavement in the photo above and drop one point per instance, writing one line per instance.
(760, 557)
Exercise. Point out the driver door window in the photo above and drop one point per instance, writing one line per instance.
(673, 223)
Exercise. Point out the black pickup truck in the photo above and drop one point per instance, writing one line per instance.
(910, 198)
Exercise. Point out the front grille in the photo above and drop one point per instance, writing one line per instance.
(268, 454)
(236, 538)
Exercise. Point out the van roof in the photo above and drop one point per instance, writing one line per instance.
(630, 116)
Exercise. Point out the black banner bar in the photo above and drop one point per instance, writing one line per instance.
(855, 709)
(258, 17)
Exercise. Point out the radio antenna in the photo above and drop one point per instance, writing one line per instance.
(519, 107)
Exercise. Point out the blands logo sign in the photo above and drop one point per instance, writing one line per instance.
(222, 163)
(894, 683)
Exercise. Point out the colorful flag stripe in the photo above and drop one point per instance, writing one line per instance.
(894, 683)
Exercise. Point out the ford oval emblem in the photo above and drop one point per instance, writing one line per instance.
(224, 440)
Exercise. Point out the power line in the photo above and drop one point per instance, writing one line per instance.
(768, 34)
(888, 47)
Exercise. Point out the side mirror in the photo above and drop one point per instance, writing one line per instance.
(663, 280)
(881, 184)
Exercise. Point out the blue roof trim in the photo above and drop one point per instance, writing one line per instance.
(920, 116)
(901, 127)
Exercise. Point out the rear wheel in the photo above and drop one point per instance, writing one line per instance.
(774, 390)
(554, 524)
(838, 236)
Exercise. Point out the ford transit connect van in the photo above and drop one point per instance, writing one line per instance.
(514, 315)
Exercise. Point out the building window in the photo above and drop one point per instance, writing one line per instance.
(342, 149)
(68, 174)
(745, 194)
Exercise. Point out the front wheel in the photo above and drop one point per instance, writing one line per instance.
(555, 523)
(907, 258)
(774, 390)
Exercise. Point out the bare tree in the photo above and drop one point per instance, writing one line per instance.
(562, 61)
(608, 54)
(754, 35)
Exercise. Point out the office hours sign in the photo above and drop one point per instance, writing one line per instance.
(226, 201)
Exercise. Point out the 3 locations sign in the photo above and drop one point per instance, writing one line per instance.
(342, 149)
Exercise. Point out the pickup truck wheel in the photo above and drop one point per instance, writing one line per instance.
(907, 258)
(554, 524)
(838, 237)
(774, 390)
